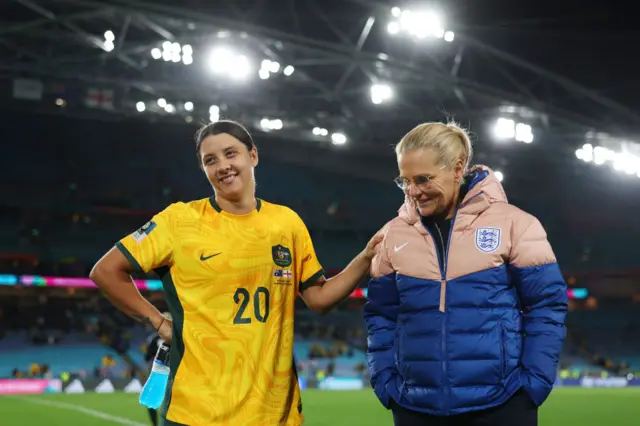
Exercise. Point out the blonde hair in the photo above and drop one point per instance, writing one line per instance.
(449, 141)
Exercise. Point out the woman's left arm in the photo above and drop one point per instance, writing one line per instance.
(543, 297)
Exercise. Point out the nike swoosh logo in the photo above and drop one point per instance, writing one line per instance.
(398, 248)
(203, 258)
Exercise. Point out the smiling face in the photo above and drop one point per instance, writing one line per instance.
(229, 166)
(432, 159)
(431, 184)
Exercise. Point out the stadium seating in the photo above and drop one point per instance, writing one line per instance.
(73, 354)
(612, 330)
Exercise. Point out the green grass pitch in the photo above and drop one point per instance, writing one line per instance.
(565, 407)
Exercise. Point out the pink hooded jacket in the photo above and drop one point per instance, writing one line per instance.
(467, 331)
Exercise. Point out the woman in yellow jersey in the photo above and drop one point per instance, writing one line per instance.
(232, 266)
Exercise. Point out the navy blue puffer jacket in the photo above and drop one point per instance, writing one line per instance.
(465, 331)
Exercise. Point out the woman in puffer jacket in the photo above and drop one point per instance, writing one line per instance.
(466, 304)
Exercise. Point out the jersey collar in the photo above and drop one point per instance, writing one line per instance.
(217, 208)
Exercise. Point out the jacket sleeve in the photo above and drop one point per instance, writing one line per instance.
(543, 298)
(380, 315)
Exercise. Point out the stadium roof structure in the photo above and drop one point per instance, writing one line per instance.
(90, 57)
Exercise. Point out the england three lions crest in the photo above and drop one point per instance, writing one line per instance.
(488, 239)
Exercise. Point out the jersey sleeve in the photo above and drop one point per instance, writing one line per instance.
(151, 246)
(307, 265)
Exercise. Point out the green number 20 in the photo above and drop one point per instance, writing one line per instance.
(242, 297)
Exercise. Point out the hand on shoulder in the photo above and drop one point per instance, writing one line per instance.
(373, 247)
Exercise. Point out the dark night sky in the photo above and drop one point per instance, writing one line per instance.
(592, 44)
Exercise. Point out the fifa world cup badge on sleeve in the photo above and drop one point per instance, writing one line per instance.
(142, 233)
(281, 255)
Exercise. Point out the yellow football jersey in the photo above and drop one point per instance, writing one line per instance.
(230, 282)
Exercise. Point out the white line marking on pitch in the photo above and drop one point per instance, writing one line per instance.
(88, 411)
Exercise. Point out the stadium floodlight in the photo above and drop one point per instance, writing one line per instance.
(624, 162)
(222, 61)
(380, 93)
(214, 113)
(188, 106)
(109, 39)
(585, 153)
(499, 175)
(621, 163)
(162, 102)
(140, 106)
(418, 24)
(630, 164)
(241, 67)
(393, 28)
(505, 128)
(602, 154)
(268, 67)
(274, 66)
(268, 124)
(338, 139)
(320, 131)
(218, 60)
(170, 108)
(524, 133)
(174, 52)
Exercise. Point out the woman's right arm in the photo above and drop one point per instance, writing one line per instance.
(147, 249)
(380, 315)
(112, 274)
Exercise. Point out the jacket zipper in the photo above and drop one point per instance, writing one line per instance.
(443, 301)
(442, 261)
(443, 270)
(443, 287)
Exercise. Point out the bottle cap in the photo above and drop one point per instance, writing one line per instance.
(163, 354)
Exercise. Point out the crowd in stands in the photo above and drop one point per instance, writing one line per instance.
(41, 327)
(42, 330)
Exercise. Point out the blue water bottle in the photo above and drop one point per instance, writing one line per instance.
(153, 391)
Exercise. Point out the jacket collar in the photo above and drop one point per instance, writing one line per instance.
(484, 190)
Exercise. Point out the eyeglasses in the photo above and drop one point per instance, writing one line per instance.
(421, 181)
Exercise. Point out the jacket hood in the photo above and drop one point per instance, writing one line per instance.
(484, 190)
